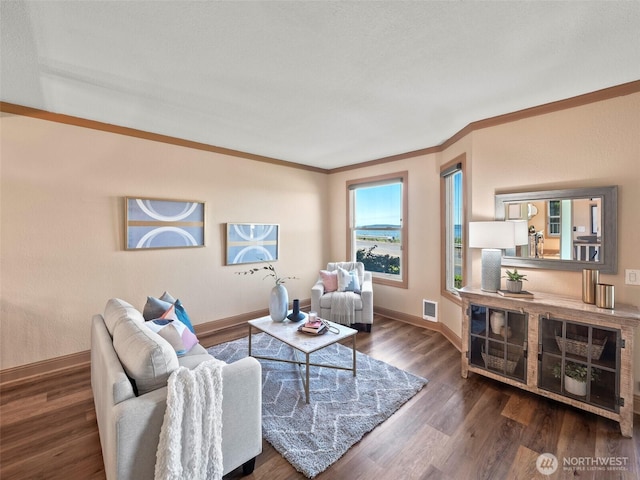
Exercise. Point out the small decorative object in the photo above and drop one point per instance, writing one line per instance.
(497, 321)
(575, 377)
(279, 297)
(494, 359)
(605, 296)
(521, 294)
(589, 280)
(296, 315)
(579, 345)
(317, 327)
(505, 332)
(278, 303)
(155, 223)
(514, 281)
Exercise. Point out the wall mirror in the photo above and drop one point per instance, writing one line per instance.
(568, 229)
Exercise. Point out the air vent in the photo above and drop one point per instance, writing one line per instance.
(430, 310)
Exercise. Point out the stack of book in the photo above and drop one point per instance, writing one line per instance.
(521, 294)
(313, 328)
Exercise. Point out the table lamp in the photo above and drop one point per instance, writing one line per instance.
(491, 237)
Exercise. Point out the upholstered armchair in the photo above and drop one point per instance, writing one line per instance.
(344, 294)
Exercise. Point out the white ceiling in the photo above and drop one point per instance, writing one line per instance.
(325, 84)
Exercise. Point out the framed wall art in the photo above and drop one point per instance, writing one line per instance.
(158, 223)
(252, 242)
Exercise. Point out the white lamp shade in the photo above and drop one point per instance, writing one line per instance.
(491, 235)
(521, 231)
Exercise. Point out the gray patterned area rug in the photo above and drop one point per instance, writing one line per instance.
(342, 408)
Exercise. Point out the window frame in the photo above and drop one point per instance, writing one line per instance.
(455, 165)
(403, 177)
(554, 220)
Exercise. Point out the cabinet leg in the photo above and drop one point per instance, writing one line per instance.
(626, 428)
(464, 371)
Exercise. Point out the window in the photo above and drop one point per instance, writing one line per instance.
(377, 230)
(553, 215)
(452, 225)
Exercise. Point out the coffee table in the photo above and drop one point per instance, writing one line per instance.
(287, 332)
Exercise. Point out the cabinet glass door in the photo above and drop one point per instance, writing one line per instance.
(580, 361)
(498, 341)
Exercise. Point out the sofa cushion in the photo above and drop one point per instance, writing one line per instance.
(194, 357)
(183, 316)
(147, 358)
(169, 327)
(348, 281)
(329, 280)
(155, 307)
(167, 297)
(117, 310)
(357, 266)
(171, 331)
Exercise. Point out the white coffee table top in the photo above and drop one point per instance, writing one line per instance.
(288, 333)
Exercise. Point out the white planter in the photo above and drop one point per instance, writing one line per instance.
(514, 286)
(575, 387)
(278, 303)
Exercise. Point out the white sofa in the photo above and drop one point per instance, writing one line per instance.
(130, 366)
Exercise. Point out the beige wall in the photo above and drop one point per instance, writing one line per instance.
(62, 213)
(591, 145)
(62, 218)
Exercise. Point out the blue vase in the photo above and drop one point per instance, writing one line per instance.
(278, 303)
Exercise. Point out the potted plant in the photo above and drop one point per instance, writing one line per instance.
(575, 377)
(514, 281)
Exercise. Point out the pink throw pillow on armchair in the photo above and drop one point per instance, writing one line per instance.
(330, 280)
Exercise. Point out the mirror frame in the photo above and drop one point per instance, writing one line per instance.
(609, 235)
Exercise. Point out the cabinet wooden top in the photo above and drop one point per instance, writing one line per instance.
(624, 314)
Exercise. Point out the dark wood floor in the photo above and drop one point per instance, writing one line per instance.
(453, 429)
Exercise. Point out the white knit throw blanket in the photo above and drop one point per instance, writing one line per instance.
(190, 446)
(343, 307)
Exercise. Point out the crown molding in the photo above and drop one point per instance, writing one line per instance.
(577, 101)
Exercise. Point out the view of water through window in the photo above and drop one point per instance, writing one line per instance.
(378, 224)
(457, 229)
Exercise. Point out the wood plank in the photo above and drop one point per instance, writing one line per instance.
(524, 465)
(519, 408)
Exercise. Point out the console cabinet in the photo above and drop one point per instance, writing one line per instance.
(554, 346)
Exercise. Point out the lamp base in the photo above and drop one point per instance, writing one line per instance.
(491, 264)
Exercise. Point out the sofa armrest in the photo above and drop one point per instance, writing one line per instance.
(138, 422)
(136, 425)
(366, 289)
(366, 294)
(316, 293)
(241, 412)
